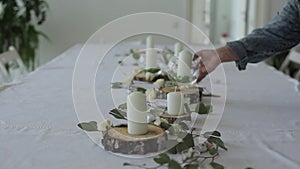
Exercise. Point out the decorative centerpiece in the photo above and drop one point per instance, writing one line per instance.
(138, 137)
(175, 108)
(157, 129)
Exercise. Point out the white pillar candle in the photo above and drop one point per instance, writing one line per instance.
(177, 49)
(151, 56)
(184, 64)
(175, 103)
(136, 113)
(149, 42)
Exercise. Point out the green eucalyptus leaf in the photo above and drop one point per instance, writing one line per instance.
(180, 147)
(191, 166)
(170, 83)
(136, 56)
(140, 89)
(216, 165)
(152, 70)
(165, 125)
(188, 142)
(201, 108)
(88, 126)
(117, 85)
(123, 106)
(120, 62)
(174, 165)
(126, 164)
(212, 133)
(162, 159)
(213, 151)
(119, 114)
(217, 141)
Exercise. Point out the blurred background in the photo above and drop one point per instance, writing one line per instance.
(73, 21)
(52, 26)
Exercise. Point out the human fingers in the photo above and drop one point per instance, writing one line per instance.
(202, 72)
(197, 55)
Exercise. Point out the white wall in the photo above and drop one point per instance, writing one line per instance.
(73, 21)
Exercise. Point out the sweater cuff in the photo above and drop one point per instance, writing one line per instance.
(239, 50)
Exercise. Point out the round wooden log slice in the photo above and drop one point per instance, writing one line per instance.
(118, 140)
(178, 118)
(190, 90)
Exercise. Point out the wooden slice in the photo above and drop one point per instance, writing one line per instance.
(118, 140)
(171, 118)
(189, 90)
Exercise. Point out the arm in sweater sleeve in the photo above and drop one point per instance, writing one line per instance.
(281, 34)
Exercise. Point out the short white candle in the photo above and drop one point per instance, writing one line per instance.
(151, 56)
(149, 42)
(177, 49)
(184, 64)
(175, 103)
(136, 113)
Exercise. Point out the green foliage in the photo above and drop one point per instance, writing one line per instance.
(188, 142)
(201, 108)
(89, 126)
(140, 89)
(174, 165)
(217, 141)
(216, 165)
(118, 114)
(165, 125)
(214, 133)
(152, 70)
(170, 83)
(117, 85)
(192, 158)
(191, 166)
(123, 106)
(18, 20)
(162, 159)
(213, 151)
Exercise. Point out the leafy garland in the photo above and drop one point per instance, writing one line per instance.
(195, 155)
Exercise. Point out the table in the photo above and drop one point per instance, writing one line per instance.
(38, 123)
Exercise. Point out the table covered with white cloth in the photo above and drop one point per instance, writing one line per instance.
(38, 124)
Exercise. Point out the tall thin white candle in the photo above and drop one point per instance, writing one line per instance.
(151, 56)
(149, 42)
(136, 113)
(175, 103)
(177, 49)
(184, 63)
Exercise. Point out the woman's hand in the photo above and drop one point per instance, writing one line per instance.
(210, 59)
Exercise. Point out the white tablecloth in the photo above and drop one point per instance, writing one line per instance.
(38, 123)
